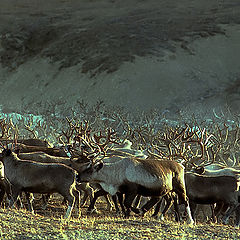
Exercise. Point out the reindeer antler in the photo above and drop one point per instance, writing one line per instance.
(108, 138)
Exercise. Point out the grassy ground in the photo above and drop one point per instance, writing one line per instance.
(49, 224)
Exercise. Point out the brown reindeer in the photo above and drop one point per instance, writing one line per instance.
(133, 176)
(42, 178)
(77, 164)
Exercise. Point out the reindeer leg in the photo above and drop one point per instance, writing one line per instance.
(84, 199)
(71, 200)
(215, 211)
(97, 194)
(169, 202)
(183, 199)
(109, 204)
(193, 209)
(227, 215)
(157, 208)
(2, 193)
(6, 186)
(137, 201)
(76, 194)
(147, 206)
(15, 194)
(18, 203)
(30, 198)
(237, 222)
(88, 192)
(220, 208)
(114, 198)
(120, 200)
(129, 197)
(45, 199)
(176, 209)
(189, 214)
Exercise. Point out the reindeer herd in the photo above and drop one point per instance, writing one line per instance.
(176, 167)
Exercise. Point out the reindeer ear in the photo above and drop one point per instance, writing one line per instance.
(203, 169)
(98, 166)
(7, 152)
(17, 151)
(200, 170)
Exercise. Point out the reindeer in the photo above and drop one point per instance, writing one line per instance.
(35, 150)
(34, 142)
(125, 150)
(170, 198)
(225, 143)
(82, 159)
(42, 178)
(133, 176)
(101, 192)
(221, 187)
(207, 171)
(5, 185)
(211, 190)
(53, 151)
(101, 141)
(206, 190)
(77, 164)
(217, 170)
(153, 200)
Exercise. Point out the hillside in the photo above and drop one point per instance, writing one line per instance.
(172, 56)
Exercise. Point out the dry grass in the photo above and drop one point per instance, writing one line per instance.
(48, 224)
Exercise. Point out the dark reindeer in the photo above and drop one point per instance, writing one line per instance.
(215, 170)
(211, 190)
(5, 186)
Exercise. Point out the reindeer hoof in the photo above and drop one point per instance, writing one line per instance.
(159, 218)
(141, 212)
(118, 212)
(190, 222)
(44, 207)
(109, 209)
(92, 211)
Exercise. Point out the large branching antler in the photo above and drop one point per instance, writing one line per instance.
(107, 139)
(199, 137)
(6, 127)
(228, 142)
(169, 140)
(68, 132)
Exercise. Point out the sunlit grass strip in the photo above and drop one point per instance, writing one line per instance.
(19, 224)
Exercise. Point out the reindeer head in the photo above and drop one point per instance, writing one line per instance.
(199, 170)
(90, 172)
(6, 153)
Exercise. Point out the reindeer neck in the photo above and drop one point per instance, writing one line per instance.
(10, 160)
(111, 171)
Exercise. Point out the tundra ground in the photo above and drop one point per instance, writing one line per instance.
(49, 224)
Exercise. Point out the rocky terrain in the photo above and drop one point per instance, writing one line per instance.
(173, 56)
